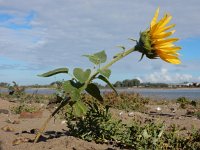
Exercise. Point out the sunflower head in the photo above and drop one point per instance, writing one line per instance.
(154, 42)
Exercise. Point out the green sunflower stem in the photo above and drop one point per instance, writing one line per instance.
(41, 130)
(120, 56)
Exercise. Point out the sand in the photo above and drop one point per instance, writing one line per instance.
(56, 138)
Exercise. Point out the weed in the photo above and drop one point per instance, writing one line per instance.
(24, 108)
(98, 125)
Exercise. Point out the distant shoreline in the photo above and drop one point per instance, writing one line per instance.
(107, 88)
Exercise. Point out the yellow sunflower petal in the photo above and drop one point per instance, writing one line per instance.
(157, 25)
(167, 53)
(160, 30)
(167, 27)
(170, 58)
(175, 48)
(164, 46)
(173, 61)
(153, 22)
(163, 35)
(165, 41)
(166, 21)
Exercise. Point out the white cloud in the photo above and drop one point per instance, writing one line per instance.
(164, 76)
(64, 30)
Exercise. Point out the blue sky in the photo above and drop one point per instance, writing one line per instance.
(37, 36)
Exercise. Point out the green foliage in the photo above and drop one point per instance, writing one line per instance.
(197, 114)
(155, 85)
(97, 58)
(54, 72)
(126, 101)
(4, 84)
(79, 108)
(72, 88)
(184, 102)
(127, 83)
(94, 91)
(106, 81)
(172, 139)
(99, 126)
(81, 75)
(105, 72)
(16, 90)
(24, 108)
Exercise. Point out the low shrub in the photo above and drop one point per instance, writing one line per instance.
(98, 125)
(24, 108)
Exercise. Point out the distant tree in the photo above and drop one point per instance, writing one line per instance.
(127, 83)
(4, 84)
(118, 84)
(135, 82)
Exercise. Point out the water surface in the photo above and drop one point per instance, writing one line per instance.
(192, 93)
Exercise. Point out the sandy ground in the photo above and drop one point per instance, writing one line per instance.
(55, 137)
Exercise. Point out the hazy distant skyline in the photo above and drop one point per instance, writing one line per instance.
(38, 36)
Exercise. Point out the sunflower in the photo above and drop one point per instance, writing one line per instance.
(154, 42)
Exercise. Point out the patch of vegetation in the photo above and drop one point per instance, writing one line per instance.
(184, 102)
(99, 126)
(197, 114)
(126, 101)
(15, 90)
(24, 108)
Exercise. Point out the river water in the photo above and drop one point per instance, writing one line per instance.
(192, 93)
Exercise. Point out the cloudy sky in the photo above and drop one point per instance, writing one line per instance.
(40, 35)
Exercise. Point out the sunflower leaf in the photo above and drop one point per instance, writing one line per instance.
(54, 72)
(97, 58)
(94, 91)
(105, 72)
(106, 81)
(81, 75)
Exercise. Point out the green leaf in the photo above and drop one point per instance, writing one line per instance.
(94, 91)
(54, 72)
(93, 59)
(80, 109)
(74, 92)
(105, 72)
(106, 81)
(145, 134)
(81, 75)
(97, 58)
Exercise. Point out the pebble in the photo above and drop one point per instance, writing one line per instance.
(4, 111)
(131, 114)
(121, 113)
(7, 128)
(64, 122)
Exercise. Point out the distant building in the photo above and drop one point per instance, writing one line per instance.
(189, 84)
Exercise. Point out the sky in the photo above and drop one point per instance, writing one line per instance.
(41, 35)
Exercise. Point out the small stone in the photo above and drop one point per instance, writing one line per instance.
(13, 122)
(16, 122)
(20, 140)
(63, 122)
(4, 111)
(158, 109)
(34, 131)
(121, 113)
(16, 142)
(7, 129)
(131, 114)
(25, 131)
